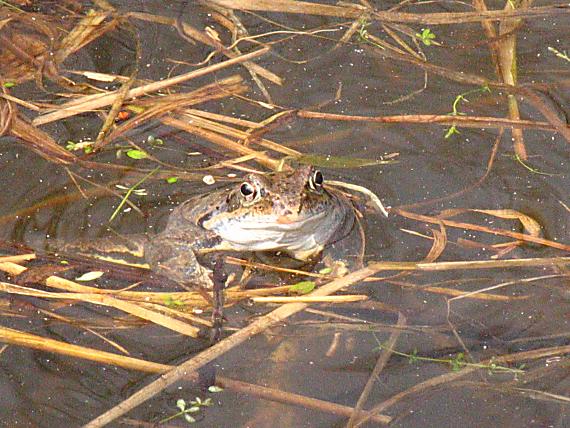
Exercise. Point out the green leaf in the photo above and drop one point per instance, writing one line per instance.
(181, 404)
(215, 388)
(189, 418)
(9, 84)
(426, 36)
(136, 154)
(302, 287)
(171, 180)
(325, 271)
(452, 130)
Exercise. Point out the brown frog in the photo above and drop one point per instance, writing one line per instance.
(291, 212)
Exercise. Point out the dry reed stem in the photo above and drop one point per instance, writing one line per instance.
(18, 101)
(28, 340)
(111, 116)
(466, 294)
(160, 308)
(294, 399)
(241, 135)
(449, 377)
(222, 118)
(189, 298)
(160, 106)
(204, 38)
(464, 121)
(224, 142)
(502, 285)
(380, 364)
(355, 11)
(17, 259)
(527, 93)
(310, 299)
(493, 231)
(40, 142)
(204, 357)
(93, 102)
(86, 30)
(15, 337)
(507, 55)
(106, 300)
(240, 262)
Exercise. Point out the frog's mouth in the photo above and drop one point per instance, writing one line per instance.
(266, 233)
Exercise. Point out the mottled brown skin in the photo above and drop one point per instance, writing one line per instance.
(290, 213)
(285, 211)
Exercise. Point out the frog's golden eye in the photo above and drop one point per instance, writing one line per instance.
(248, 191)
(316, 180)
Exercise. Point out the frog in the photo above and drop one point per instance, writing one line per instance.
(291, 212)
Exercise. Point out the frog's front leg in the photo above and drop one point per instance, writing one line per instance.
(173, 254)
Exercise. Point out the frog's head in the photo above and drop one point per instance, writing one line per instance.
(283, 197)
(290, 210)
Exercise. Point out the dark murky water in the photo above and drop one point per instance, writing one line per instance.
(39, 389)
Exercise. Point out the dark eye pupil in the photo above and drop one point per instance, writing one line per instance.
(318, 178)
(246, 189)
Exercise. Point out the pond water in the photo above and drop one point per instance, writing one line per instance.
(329, 351)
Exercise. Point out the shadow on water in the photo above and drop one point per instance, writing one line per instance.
(455, 115)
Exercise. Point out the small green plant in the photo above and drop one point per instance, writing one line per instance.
(426, 36)
(455, 108)
(171, 180)
(530, 168)
(413, 358)
(362, 30)
(450, 131)
(9, 85)
(86, 146)
(456, 363)
(364, 36)
(185, 410)
(303, 287)
(173, 303)
(130, 191)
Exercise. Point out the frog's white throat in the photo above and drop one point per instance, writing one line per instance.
(265, 233)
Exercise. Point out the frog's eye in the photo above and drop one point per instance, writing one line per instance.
(248, 192)
(316, 180)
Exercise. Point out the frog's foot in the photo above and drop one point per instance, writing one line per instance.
(179, 263)
(178, 269)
